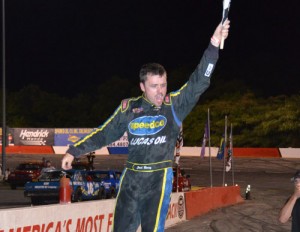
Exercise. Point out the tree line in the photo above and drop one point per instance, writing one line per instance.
(257, 121)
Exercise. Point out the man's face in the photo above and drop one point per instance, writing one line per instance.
(155, 88)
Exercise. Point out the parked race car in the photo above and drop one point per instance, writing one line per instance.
(182, 179)
(24, 172)
(110, 179)
(46, 188)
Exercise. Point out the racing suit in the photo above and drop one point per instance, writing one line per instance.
(146, 182)
(296, 216)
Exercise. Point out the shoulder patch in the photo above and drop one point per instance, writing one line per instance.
(125, 104)
(167, 99)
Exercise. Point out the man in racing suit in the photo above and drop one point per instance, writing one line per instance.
(152, 122)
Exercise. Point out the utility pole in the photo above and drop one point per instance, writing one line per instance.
(3, 92)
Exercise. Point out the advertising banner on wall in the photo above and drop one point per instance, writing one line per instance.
(33, 136)
(83, 216)
(120, 146)
(68, 136)
(9, 136)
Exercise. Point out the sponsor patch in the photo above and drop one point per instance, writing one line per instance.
(125, 104)
(209, 70)
(147, 125)
(148, 141)
(167, 99)
(137, 110)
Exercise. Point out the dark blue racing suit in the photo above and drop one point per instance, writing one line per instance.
(146, 182)
(296, 216)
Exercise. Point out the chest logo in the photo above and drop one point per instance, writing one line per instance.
(147, 125)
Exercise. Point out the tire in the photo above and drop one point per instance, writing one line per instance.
(13, 186)
(77, 197)
(101, 194)
(113, 193)
(36, 201)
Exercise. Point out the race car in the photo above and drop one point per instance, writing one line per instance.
(24, 172)
(110, 179)
(46, 188)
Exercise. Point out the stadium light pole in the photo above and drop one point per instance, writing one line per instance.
(3, 92)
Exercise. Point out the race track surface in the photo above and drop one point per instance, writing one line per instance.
(269, 179)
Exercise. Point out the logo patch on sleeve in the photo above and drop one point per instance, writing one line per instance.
(125, 104)
(167, 99)
(209, 70)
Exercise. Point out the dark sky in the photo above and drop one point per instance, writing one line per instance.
(64, 46)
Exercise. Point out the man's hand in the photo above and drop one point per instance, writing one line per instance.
(221, 31)
(66, 162)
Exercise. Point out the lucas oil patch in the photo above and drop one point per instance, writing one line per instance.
(147, 125)
(209, 70)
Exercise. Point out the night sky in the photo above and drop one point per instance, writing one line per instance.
(64, 46)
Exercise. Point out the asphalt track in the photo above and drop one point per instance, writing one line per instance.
(270, 187)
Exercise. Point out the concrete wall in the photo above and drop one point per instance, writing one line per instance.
(202, 201)
(98, 215)
(82, 216)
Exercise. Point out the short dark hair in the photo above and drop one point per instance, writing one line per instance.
(296, 176)
(151, 68)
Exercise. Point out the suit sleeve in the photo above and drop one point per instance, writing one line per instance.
(105, 134)
(188, 95)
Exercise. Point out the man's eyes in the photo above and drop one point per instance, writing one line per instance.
(162, 86)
